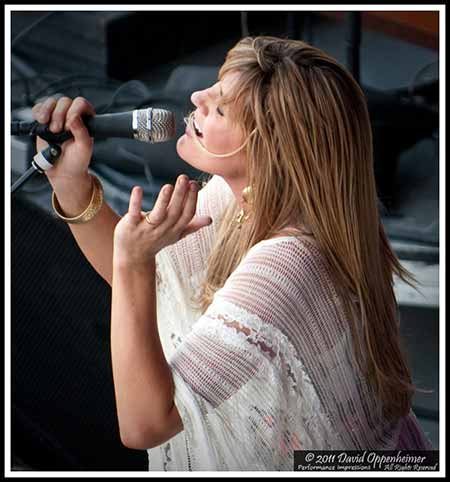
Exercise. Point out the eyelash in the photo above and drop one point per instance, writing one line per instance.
(219, 111)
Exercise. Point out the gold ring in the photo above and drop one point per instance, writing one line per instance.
(148, 220)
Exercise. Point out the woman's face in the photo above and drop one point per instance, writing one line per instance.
(215, 132)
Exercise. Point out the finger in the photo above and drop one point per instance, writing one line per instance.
(190, 205)
(46, 110)
(159, 211)
(134, 208)
(79, 130)
(175, 207)
(80, 106)
(58, 118)
(36, 109)
(197, 223)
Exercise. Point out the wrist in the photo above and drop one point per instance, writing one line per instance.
(123, 262)
(67, 181)
(73, 194)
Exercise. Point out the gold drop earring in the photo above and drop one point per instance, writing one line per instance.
(247, 198)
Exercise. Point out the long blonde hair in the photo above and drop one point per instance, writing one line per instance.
(311, 164)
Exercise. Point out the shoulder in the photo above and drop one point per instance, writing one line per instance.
(291, 257)
(278, 268)
(284, 282)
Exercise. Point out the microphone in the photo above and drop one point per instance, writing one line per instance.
(146, 125)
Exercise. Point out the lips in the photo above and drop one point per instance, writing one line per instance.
(197, 128)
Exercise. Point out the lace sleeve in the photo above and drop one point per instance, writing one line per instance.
(244, 397)
(270, 368)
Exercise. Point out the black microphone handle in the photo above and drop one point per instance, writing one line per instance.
(34, 128)
(118, 124)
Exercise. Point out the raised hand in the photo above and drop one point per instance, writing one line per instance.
(139, 235)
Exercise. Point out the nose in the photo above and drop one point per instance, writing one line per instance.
(198, 98)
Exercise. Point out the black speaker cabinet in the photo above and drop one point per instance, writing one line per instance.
(63, 405)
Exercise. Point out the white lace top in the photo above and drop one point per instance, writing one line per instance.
(269, 367)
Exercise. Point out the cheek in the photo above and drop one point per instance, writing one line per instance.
(220, 140)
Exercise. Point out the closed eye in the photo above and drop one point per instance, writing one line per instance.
(219, 111)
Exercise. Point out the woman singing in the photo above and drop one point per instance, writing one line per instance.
(274, 327)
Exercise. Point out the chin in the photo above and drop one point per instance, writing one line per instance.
(183, 150)
(192, 156)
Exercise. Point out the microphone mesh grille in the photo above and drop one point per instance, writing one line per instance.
(155, 125)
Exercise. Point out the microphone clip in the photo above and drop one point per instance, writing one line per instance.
(34, 128)
(41, 162)
(43, 131)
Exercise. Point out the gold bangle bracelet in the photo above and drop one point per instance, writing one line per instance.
(95, 204)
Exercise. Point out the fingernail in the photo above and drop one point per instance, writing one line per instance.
(193, 186)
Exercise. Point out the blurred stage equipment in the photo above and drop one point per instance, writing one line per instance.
(394, 118)
(118, 45)
(63, 406)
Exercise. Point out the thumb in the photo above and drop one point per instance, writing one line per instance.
(196, 224)
(79, 131)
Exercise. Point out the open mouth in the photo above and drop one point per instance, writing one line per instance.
(197, 129)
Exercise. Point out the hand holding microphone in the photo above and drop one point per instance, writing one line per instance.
(65, 114)
(148, 125)
(74, 123)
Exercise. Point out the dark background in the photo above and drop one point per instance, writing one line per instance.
(63, 409)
